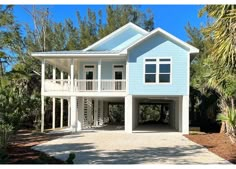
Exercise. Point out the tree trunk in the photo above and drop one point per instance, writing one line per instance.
(232, 102)
(223, 127)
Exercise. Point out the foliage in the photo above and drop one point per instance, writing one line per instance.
(116, 113)
(229, 117)
(10, 38)
(5, 133)
(213, 71)
(70, 159)
(223, 33)
(150, 112)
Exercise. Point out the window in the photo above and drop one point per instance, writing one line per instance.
(118, 66)
(89, 66)
(158, 70)
(150, 71)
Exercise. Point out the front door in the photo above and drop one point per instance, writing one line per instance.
(118, 73)
(89, 77)
(89, 80)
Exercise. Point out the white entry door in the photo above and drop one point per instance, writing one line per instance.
(89, 76)
(118, 75)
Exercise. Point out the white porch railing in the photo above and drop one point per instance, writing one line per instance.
(113, 85)
(56, 85)
(85, 85)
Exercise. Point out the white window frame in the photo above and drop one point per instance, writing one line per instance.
(157, 62)
(89, 69)
(118, 69)
(164, 62)
(144, 68)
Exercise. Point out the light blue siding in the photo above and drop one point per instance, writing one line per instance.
(158, 46)
(81, 68)
(121, 41)
(106, 69)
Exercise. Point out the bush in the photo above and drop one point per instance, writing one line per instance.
(70, 159)
(5, 133)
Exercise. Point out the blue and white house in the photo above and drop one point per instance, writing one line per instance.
(129, 66)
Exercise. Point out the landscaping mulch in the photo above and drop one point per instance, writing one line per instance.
(20, 151)
(217, 143)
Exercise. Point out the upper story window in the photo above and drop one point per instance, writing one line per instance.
(158, 70)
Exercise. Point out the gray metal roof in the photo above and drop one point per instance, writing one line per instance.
(79, 52)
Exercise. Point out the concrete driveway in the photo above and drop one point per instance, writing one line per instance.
(118, 147)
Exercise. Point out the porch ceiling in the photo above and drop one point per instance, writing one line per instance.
(63, 64)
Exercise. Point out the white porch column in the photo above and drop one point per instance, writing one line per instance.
(96, 112)
(80, 113)
(99, 75)
(72, 75)
(128, 113)
(61, 119)
(180, 113)
(42, 114)
(69, 114)
(101, 113)
(74, 116)
(42, 97)
(42, 76)
(53, 99)
(53, 112)
(185, 114)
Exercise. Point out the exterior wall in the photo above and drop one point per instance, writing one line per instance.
(128, 113)
(124, 39)
(185, 114)
(81, 68)
(156, 47)
(106, 69)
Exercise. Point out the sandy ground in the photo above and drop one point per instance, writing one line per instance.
(118, 147)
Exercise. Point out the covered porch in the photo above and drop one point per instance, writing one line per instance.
(84, 75)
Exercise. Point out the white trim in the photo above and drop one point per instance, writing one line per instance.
(117, 69)
(75, 55)
(43, 75)
(121, 29)
(54, 73)
(89, 69)
(99, 74)
(188, 74)
(157, 63)
(42, 113)
(127, 75)
(61, 119)
(53, 112)
(191, 48)
(72, 74)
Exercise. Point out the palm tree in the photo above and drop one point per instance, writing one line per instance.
(223, 32)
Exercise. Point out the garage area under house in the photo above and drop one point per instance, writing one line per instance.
(150, 114)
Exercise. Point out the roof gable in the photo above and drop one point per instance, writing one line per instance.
(119, 39)
(169, 36)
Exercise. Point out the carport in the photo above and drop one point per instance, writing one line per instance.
(157, 114)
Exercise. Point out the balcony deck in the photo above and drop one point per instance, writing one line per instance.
(84, 87)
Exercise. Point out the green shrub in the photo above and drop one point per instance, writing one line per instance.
(5, 133)
(70, 159)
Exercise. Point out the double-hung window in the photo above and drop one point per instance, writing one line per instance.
(158, 71)
(150, 71)
(164, 70)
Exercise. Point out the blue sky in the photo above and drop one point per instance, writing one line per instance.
(172, 18)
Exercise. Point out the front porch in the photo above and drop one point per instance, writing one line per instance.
(81, 76)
